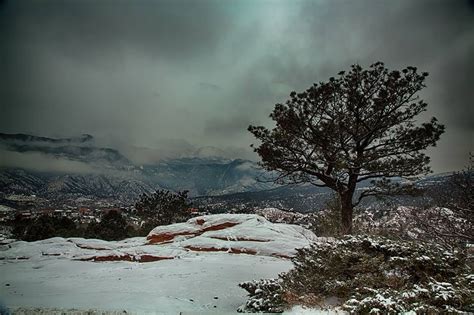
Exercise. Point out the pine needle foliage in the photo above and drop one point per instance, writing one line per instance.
(361, 125)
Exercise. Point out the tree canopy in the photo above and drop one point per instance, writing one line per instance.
(357, 126)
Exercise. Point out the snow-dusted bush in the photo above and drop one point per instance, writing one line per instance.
(327, 222)
(435, 224)
(265, 296)
(395, 222)
(453, 222)
(375, 275)
(444, 226)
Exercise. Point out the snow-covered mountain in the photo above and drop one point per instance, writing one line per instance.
(207, 176)
(199, 177)
(107, 173)
(85, 169)
(54, 186)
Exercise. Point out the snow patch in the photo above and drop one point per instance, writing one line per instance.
(183, 274)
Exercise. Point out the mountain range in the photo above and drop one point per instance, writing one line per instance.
(94, 171)
(91, 171)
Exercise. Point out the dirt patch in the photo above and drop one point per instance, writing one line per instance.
(91, 247)
(14, 258)
(206, 249)
(281, 256)
(233, 250)
(131, 258)
(238, 239)
(215, 249)
(243, 251)
(52, 254)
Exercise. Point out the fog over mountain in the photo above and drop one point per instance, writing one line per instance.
(58, 168)
(163, 79)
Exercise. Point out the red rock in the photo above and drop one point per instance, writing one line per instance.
(200, 221)
(166, 237)
(218, 227)
(150, 258)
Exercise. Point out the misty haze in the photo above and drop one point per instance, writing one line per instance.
(238, 156)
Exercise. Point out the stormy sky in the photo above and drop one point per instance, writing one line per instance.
(180, 75)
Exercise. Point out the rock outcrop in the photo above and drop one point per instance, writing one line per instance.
(229, 233)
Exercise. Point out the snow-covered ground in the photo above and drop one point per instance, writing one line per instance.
(189, 267)
(204, 283)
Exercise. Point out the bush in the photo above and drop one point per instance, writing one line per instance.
(388, 221)
(327, 222)
(44, 227)
(373, 275)
(162, 208)
(449, 219)
(266, 296)
(112, 227)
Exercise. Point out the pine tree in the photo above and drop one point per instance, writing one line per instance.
(355, 127)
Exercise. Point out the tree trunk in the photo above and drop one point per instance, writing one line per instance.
(346, 213)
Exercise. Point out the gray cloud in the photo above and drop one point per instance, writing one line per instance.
(228, 126)
(209, 86)
(43, 163)
(165, 149)
(139, 73)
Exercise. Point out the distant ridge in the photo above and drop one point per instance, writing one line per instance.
(110, 174)
(225, 182)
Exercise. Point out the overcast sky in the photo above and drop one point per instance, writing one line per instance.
(189, 74)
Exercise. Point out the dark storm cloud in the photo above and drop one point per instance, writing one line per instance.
(438, 37)
(82, 65)
(94, 29)
(435, 35)
(43, 163)
(229, 126)
(156, 73)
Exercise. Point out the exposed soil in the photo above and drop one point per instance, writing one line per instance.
(131, 258)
